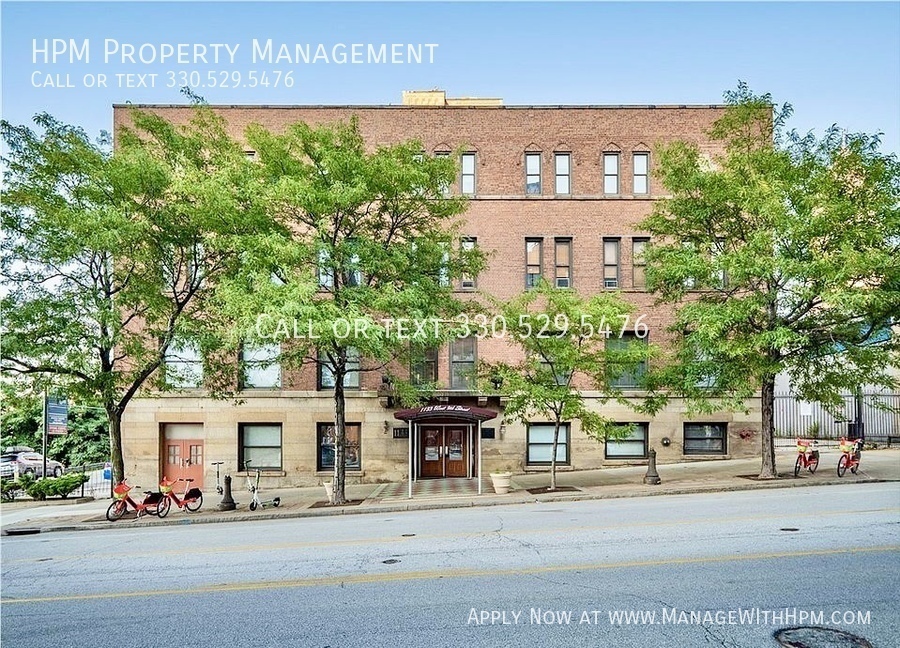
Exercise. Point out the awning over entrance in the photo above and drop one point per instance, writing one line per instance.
(443, 449)
(464, 412)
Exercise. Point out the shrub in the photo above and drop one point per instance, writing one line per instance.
(9, 488)
(53, 486)
(64, 485)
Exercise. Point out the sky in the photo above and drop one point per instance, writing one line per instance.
(833, 62)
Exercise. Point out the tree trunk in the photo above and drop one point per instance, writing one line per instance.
(340, 438)
(767, 437)
(553, 456)
(114, 415)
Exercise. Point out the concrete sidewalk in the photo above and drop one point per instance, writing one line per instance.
(683, 478)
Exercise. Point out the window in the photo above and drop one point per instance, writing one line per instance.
(325, 271)
(534, 261)
(352, 455)
(641, 173)
(351, 378)
(261, 366)
(625, 374)
(354, 274)
(563, 262)
(540, 444)
(183, 366)
(423, 366)
(610, 263)
(462, 363)
(467, 282)
(467, 178)
(533, 174)
(445, 188)
(632, 446)
(705, 438)
(638, 245)
(444, 270)
(563, 173)
(716, 252)
(260, 444)
(611, 173)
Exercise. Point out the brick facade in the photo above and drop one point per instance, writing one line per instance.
(501, 216)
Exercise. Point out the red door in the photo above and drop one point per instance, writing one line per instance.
(456, 440)
(184, 460)
(444, 452)
(432, 452)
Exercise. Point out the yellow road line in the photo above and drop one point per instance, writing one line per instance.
(447, 536)
(449, 573)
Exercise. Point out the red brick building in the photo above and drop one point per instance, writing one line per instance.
(555, 192)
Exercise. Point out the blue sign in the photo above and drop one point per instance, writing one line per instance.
(57, 415)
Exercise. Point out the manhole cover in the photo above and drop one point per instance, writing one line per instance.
(390, 561)
(811, 637)
(790, 529)
(408, 535)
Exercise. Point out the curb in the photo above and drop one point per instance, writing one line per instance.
(401, 507)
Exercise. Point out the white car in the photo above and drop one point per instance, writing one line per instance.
(29, 462)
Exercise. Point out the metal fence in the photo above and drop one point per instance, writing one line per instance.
(99, 483)
(880, 415)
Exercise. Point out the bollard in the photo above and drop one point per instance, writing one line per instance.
(652, 477)
(227, 503)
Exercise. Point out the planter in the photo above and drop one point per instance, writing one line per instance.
(329, 491)
(501, 482)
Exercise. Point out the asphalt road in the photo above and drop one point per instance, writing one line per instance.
(430, 578)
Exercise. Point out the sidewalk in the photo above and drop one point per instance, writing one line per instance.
(683, 478)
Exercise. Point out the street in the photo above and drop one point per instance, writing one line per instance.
(476, 576)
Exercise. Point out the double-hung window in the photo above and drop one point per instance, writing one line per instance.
(260, 444)
(261, 367)
(641, 168)
(352, 446)
(462, 363)
(533, 174)
(563, 163)
(533, 261)
(563, 253)
(540, 444)
(183, 366)
(467, 174)
(351, 377)
(610, 263)
(631, 446)
(705, 438)
(611, 174)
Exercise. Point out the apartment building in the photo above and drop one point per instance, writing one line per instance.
(555, 192)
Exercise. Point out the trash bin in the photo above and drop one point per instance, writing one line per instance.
(107, 471)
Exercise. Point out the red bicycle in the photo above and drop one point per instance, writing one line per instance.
(121, 501)
(850, 456)
(807, 457)
(192, 499)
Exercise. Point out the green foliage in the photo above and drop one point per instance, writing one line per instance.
(20, 424)
(563, 341)
(108, 260)
(53, 486)
(782, 253)
(9, 489)
(355, 237)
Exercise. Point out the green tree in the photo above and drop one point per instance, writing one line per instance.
(87, 440)
(108, 260)
(783, 255)
(569, 345)
(357, 238)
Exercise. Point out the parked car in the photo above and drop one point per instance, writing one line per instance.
(29, 462)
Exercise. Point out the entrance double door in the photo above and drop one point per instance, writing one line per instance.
(444, 451)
